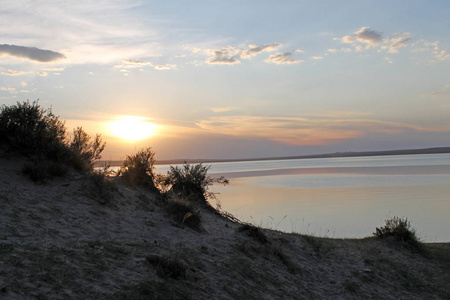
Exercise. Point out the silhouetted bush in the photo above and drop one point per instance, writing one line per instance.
(41, 136)
(33, 131)
(399, 229)
(84, 152)
(137, 169)
(192, 181)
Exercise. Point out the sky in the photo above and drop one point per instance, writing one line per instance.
(234, 79)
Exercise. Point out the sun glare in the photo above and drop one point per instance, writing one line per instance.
(132, 128)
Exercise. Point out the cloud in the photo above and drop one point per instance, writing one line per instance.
(88, 32)
(433, 48)
(132, 64)
(23, 83)
(224, 56)
(444, 93)
(282, 58)
(15, 73)
(317, 57)
(43, 74)
(365, 39)
(222, 109)
(307, 130)
(165, 67)
(364, 35)
(255, 50)
(397, 43)
(31, 53)
(9, 90)
(332, 50)
(232, 55)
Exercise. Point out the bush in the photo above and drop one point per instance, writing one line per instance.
(33, 131)
(398, 228)
(39, 135)
(192, 181)
(101, 185)
(84, 152)
(137, 169)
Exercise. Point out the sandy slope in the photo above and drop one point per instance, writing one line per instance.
(58, 241)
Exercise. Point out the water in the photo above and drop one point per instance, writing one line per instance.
(339, 197)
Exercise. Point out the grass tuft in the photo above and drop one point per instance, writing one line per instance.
(254, 232)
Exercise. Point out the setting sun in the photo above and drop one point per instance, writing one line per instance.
(132, 128)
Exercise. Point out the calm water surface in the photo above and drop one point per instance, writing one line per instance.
(339, 197)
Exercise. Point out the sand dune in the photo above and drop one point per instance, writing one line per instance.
(61, 240)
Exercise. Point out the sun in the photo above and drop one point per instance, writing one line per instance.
(132, 128)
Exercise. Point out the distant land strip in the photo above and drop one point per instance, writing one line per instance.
(327, 155)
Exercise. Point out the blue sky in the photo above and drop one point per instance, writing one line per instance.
(236, 79)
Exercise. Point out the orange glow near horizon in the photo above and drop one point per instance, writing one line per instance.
(132, 128)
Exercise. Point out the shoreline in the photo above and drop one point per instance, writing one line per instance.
(435, 150)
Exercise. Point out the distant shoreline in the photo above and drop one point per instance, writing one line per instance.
(436, 150)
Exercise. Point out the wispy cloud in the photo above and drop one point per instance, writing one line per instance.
(9, 90)
(307, 130)
(31, 53)
(222, 109)
(226, 56)
(15, 73)
(282, 58)
(88, 32)
(255, 50)
(443, 93)
(133, 64)
(366, 38)
(233, 55)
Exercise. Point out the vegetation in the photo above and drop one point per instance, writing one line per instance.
(84, 151)
(41, 136)
(184, 212)
(138, 169)
(192, 182)
(399, 229)
(33, 131)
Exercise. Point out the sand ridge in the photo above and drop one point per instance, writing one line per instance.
(58, 240)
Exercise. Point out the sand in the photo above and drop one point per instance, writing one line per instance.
(62, 240)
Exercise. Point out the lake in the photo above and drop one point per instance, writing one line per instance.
(339, 197)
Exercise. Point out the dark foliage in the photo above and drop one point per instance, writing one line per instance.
(254, 232)
(137, 169)
(192, 181)
(399, 229)
(33, 131)
(84, 150)
(38, 134)
(185, 213)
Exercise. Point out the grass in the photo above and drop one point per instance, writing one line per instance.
(184, 212)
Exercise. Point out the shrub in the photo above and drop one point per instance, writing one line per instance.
(192, 181)
(38, 134)
(137, 169)
(84, 152)
(33, 131)
(398, 228)
(101, 185)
